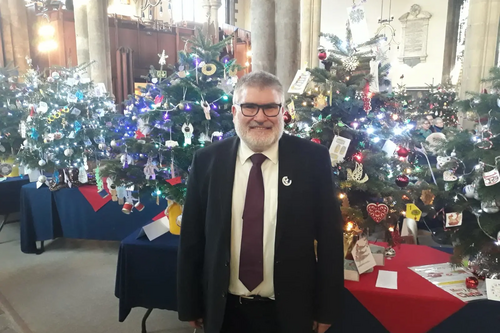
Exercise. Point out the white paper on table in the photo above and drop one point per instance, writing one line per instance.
(493, 289)
(155, 229)
(387, 279)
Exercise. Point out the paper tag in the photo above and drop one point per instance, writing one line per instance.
(413, 212)
(363, 256)
(155, 229)
(387, 279)
(338, 149)
(300, 82)
(491, 177)
(453, 219)
(389, 148)
(448, 176)
(493, 289)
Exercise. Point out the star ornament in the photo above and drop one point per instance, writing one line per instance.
(163, 58)
(320, 102)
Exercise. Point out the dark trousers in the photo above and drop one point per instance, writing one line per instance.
(250, 316)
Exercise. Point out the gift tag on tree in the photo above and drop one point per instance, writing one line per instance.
(491, 177)
(449, 176)
(453, 219)
(338, 149)
(187, 129)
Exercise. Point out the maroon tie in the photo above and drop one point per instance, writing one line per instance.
(252, 239)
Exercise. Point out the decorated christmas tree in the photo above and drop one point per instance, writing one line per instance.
(172, 118)
(12, 112)
(382, 177)
(474, 193)
(68, 124)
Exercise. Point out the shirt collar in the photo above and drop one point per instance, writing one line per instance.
(244, 152)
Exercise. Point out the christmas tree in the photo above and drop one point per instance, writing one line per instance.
(381, 175)
(12, 112)
(172, 118)
(473, 158)
(67, 125)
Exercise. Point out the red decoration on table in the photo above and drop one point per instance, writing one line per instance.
(158, 99)
(377, 211)
(402, 180)
(316, 140)
(127, 207)
(95, 200)
(287, 117)
(396, 309)
(322, 55)
(471, 282)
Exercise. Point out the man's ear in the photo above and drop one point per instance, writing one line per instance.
(233, 110)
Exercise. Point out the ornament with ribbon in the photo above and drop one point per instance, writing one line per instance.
(150, 168)
(206, 109)
(356, 175)
(377, 211)
(187, 129)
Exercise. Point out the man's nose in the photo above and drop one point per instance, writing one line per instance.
(260, 116)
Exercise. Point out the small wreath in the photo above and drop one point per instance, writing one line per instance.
(209, 69)
(65, 109)
(58, 115)
(5, 169)
(51, 118)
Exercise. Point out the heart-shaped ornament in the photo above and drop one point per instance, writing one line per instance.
(377, 211)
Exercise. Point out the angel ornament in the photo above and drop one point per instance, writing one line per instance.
(206, 109)
(149, 169)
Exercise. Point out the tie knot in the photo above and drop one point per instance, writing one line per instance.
(258, 159)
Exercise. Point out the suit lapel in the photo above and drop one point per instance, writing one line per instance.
(226, 162)
(285, 187)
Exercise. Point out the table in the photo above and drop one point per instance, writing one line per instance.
(66, 213)
(10, 194)
(146, 274)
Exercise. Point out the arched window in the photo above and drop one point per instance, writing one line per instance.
(193, 11)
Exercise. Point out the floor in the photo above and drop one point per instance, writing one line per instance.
(67, 289)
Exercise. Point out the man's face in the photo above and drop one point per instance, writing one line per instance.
(259, 132)
(439, 123)
(426, 125)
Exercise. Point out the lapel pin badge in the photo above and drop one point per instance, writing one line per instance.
(286, 181)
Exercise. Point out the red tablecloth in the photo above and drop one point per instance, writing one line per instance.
(90, 193)
(417, 305)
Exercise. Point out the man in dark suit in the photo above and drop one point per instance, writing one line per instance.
(255, 205)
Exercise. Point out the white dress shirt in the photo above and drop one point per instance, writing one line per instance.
(270, 176)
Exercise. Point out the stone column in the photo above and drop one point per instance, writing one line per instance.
(316, 30)
(232, 12)
(480, 44)
(208, 17)
(214, 16)
(82, 33)
(8, 45)
(305, 33)
(97, 48)
(263, 39)
(20, 36)
(109, 83)
(287, 35)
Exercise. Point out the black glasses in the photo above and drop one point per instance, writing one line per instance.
(251, 110)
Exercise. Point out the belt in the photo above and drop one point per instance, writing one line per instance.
(250, 299)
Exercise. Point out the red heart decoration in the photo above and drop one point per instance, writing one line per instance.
(378, 211)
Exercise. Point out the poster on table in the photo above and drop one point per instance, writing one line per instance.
(451, 280)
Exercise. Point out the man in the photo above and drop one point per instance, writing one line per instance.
(255, 205)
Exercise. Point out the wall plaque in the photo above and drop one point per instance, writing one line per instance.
(415, 31)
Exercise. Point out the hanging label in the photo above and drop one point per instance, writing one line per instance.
(491, 177)
(413, 212)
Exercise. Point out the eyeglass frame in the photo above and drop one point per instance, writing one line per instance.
(259, 107)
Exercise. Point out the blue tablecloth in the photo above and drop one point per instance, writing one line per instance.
(66, 213)
(10, 194)
(146, 277)
(146, 274)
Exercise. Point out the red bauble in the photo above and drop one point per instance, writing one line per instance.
(322, 55)
(471, 282)
(402, 180)
(287, 117)
(403, 152)
(315, 140)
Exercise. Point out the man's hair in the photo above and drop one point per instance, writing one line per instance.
(257, 79)
(436, 120)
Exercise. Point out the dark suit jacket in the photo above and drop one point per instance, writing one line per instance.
(306, 289)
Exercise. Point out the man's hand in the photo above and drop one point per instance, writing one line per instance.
(196, 323)
(320, 328)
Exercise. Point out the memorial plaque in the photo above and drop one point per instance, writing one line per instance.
(415, 32)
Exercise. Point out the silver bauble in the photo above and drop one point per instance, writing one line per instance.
(490, 207)
(102, 146)
(42, 163)
(42, 179)
(68, 152)
(112, 143)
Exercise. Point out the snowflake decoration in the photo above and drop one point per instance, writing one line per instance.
(357, 15)
(350, 63)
